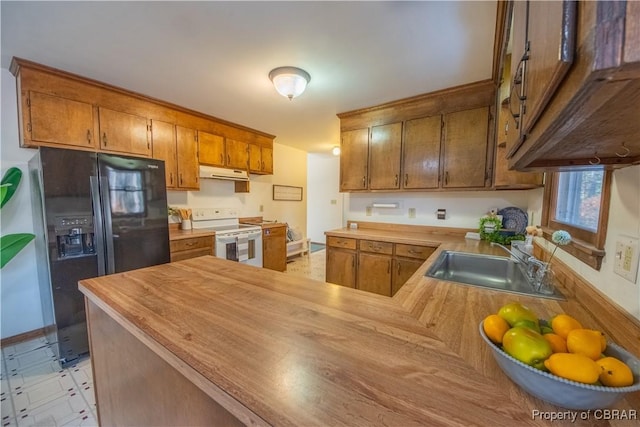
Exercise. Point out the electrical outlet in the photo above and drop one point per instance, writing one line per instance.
(412, 212)
(334, 202)
(261, 208)
(626, 258)
(368, 210)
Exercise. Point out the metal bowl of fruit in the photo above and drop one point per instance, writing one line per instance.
(563, 392)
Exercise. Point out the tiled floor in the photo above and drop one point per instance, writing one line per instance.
(37, 392)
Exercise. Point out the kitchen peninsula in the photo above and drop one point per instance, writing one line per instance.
(206, 341)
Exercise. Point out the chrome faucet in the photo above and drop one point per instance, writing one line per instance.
(535, 270)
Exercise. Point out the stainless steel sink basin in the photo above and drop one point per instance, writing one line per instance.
(485, 271)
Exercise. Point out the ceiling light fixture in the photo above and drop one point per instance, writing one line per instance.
(289, 81)
(335, 151)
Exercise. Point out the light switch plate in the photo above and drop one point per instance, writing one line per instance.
(626, 258)
(412, 212)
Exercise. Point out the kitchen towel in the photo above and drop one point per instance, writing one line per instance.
(242, 243)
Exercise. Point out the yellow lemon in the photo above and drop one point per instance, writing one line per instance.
(574, 367)
(558, 344)
(614, 372)
(495, 327)
(585, 341)
(563, 323)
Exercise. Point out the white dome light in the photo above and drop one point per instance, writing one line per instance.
(289, 81)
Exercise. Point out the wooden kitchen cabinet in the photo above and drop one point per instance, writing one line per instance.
(123, 132)
(187, 158)
(403, 269)
(465, 147)
(385, 148)
(54, 120)
(374, 273)
(341, 261)
(580, 98)
(237, 154)
(163, 137)
(421, 153)
(274, 247)
(191, 247)
(211, 149)
(260, 159)
(354, 157)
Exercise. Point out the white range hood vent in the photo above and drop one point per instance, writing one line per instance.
(211, 172)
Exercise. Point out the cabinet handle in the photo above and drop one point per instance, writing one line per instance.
(181, 179)
(406, 179)
(88, 136)
(396, 181)
(190, 243)
(104, 139)
(221, 158)
(228, 159)
(171, 178)
(388, 266)
(263, 167)
(398, 268)
(446, 178)
(364, 181)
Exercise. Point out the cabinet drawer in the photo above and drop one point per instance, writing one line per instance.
(341, 242)
(376, 247)
(191, 243)
(414, 251)
(191, 253)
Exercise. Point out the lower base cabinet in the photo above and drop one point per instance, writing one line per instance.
(373, 266)
(274, 247)
(191, 247)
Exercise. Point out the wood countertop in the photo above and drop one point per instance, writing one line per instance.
(278, 349)
(178, 234)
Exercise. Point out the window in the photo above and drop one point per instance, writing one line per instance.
(578, 201)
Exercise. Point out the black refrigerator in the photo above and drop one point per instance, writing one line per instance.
(94, 214)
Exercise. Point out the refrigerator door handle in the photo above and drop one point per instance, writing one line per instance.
(98, 224)
(108, 228)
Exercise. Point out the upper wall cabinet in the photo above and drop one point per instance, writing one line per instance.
(260, 159)
(437, 141)
(57, 108)
(575, 84)
(55, 120)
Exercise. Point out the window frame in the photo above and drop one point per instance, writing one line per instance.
(586, 245)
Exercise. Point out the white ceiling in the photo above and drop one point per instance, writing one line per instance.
(215, 57)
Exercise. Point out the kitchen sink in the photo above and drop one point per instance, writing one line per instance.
(485, 271)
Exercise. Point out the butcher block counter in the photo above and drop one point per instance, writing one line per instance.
(207, 341)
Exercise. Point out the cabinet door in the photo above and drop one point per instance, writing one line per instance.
(163, 137)
(267, 160)
(255, 158)
(58, 120)
(354, 152)
(384, 156)
(187, 156)
(374, 273)
(551, 27)
(516, 87)
(421, 152)
(123, 132)
(237, 154)
(341, 267)
(274, 248)
(211, 149)
(403, 269)
(465, 148)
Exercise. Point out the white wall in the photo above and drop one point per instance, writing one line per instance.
(464, 208)
(20, 309)
(624, 220)
(325, 202)
(290, 168)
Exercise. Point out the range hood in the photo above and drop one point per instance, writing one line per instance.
(211, 172)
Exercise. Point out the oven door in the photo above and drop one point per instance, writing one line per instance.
(244, 247)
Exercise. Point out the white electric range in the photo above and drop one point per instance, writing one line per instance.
(234, 241)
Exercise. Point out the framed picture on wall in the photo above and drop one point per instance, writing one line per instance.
(287, 192)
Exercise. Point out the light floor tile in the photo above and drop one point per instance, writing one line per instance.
(24, 360)
(43, 392)
(312, 266)
(59, 411)
(25, 346)
(23, 378)
(9, 422)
